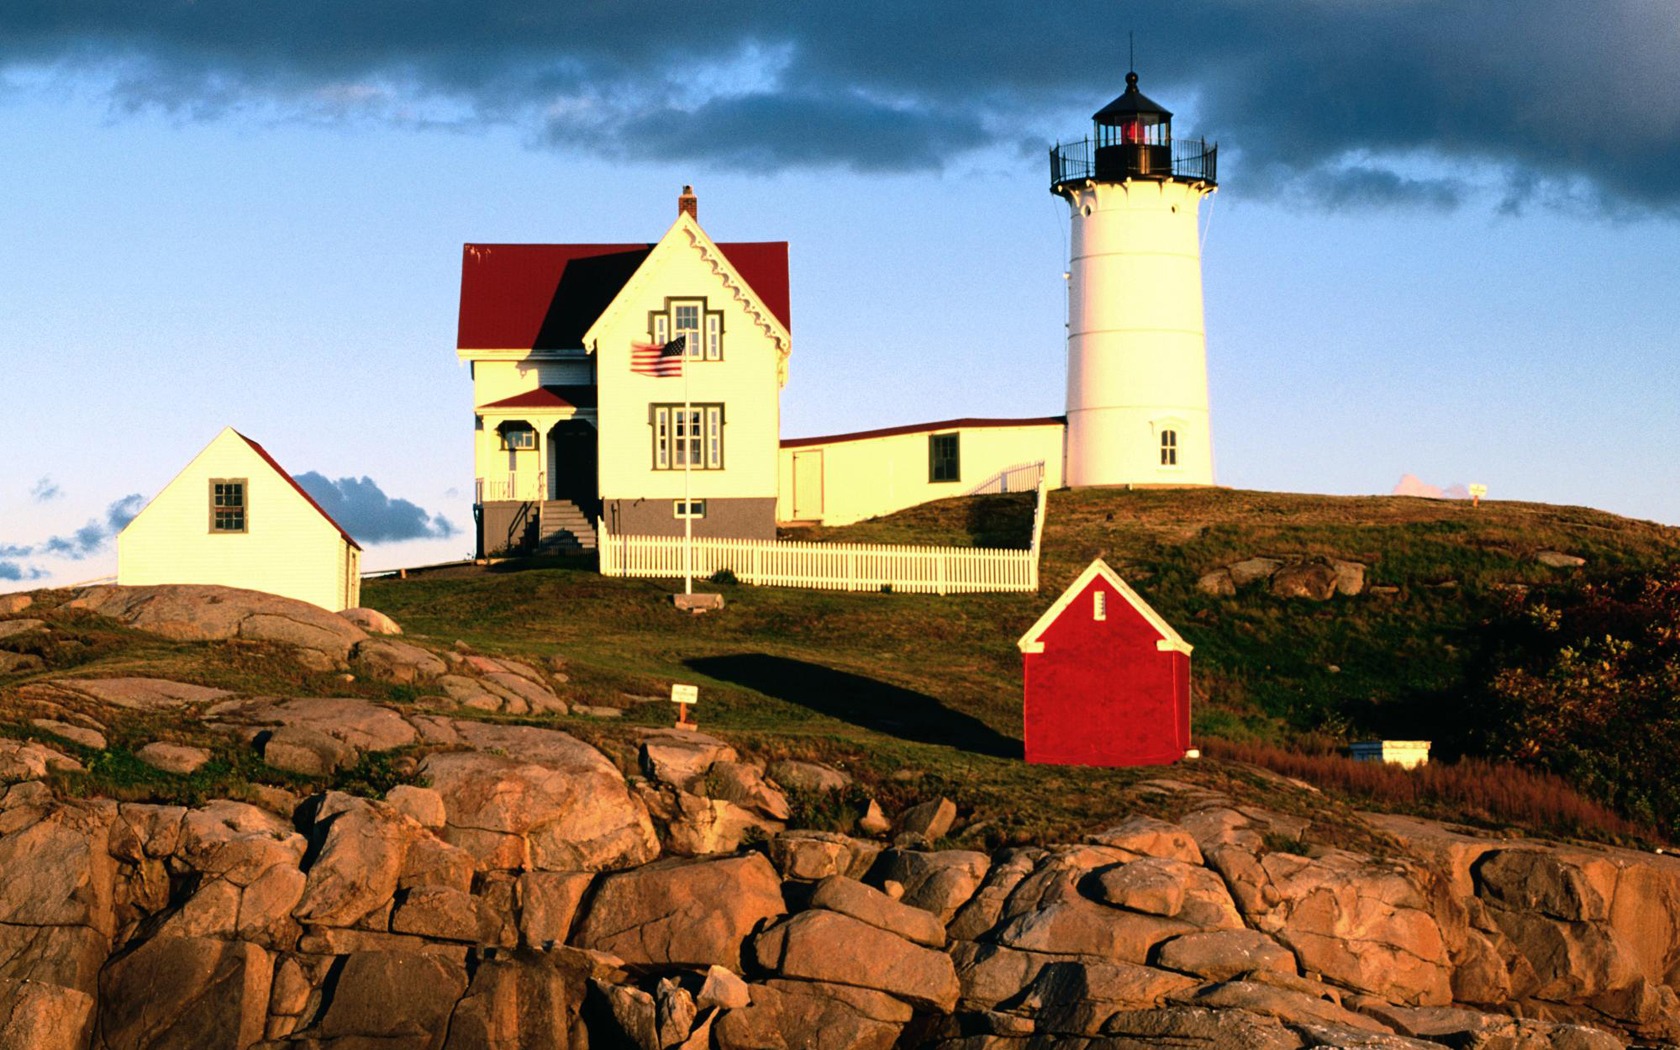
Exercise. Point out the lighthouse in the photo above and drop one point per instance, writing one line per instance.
(1137, 394)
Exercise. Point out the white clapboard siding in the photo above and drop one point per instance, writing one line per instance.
(832, 566)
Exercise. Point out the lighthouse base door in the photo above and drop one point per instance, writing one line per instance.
(807, 486)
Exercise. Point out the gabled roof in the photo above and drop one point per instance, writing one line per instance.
(546, 296)
(1032, 641)
(278, 469)
(550, 397)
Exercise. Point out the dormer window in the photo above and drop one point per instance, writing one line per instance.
(701, 329)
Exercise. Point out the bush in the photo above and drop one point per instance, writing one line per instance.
(1470, 790)
(726, 576)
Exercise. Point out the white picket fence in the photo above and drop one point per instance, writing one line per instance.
(832, 566)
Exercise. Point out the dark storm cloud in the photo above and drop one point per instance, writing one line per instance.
(88, 540)
(1336, 103)
(365, 512)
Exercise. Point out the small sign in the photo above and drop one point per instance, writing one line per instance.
(685, 694)
(1476, 493)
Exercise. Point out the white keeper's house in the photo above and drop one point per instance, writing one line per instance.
(568, 431)
(234, 517)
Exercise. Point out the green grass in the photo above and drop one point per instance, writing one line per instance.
(921, 695)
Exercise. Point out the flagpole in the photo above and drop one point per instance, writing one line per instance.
(688, 469)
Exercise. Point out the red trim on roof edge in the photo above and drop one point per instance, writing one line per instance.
(278, 469)
(917, 428)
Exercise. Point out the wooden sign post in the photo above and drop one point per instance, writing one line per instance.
(685, 696)
(1476, 493)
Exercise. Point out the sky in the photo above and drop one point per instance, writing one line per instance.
(1446, 241)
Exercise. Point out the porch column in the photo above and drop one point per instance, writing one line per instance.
(543, 489)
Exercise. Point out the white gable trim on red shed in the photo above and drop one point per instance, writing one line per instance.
(1170, 641)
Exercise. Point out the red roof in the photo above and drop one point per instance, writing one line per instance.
(545, 296)
(923, 428)
(549, 397)
(278, 469)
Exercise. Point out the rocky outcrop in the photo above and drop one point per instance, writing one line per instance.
(201, 613)
(1315, 578)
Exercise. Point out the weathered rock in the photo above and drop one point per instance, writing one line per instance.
(1477, 1031)
(1149, 837)
(807, 776)
(1250, 570)
(830, 947)
(805, 1015)
(360, 859)
(813, 855)
(682, 912)
(1078, 998)
(192, 612)
(357, 723)
(390, 996)
(513, 1004)
(1559, 560)
(932, 820)
(512, 688)
(1350, 576)
(561, 805)
(1282, 1003)
(12, 628)
(550, 904)
(392, 661)
(674, 1010)
(1313, 580)
(432, 862)
(1188, 1026)
(693, 825)
(682, 758)
(236, 841)
(872, 821)
(1170, 888)
(983, 910)
(19, 663)
(723, 989)
(82, 735)
(437, 912)
(635, 1014)
(140, 694)
(743, 785)
(867, 904)
(371, 620)
(423, 804)
(1220, 955)
(939, 882)
(181, 759)
(12, 604)
(35, 1015)
(469, 692)
(305, 750)
(1047, 913)
(1217, 583)
(185, 992)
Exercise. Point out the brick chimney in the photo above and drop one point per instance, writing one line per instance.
(688, 203)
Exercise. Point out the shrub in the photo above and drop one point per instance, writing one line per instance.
(1471, 790)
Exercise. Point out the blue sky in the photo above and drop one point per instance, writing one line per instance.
(1445, 241)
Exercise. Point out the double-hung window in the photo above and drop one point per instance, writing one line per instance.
(228, 505)
(943, 462)
(1169, 448)
(690, 437)
(701, 329)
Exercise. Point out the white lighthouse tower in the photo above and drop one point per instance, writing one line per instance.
(1137, 403)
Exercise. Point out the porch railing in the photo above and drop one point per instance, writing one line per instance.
(514, 485)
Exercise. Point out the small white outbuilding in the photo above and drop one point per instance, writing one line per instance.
(234, 517)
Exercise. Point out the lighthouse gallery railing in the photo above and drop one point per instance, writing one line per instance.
(1192, 159)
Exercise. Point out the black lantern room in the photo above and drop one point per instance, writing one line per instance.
(1134, 136)
(1132, 139)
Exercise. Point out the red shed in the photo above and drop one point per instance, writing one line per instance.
(1107, 680)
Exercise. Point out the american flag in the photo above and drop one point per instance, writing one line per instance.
(651, 359)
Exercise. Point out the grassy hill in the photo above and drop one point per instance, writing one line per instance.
(920, 695)
(911, 686)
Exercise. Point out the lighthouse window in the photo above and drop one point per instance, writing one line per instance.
(1169, 448)
(942, 458)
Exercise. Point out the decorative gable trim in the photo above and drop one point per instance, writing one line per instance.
(1170, 640)
(685, 231)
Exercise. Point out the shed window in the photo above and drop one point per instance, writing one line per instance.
(227, 505)
(1099, 605)
(943, 462)
(1169, 448)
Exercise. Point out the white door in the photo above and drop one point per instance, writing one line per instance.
(808, 486)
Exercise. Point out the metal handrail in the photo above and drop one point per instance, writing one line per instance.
(1192, 160)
